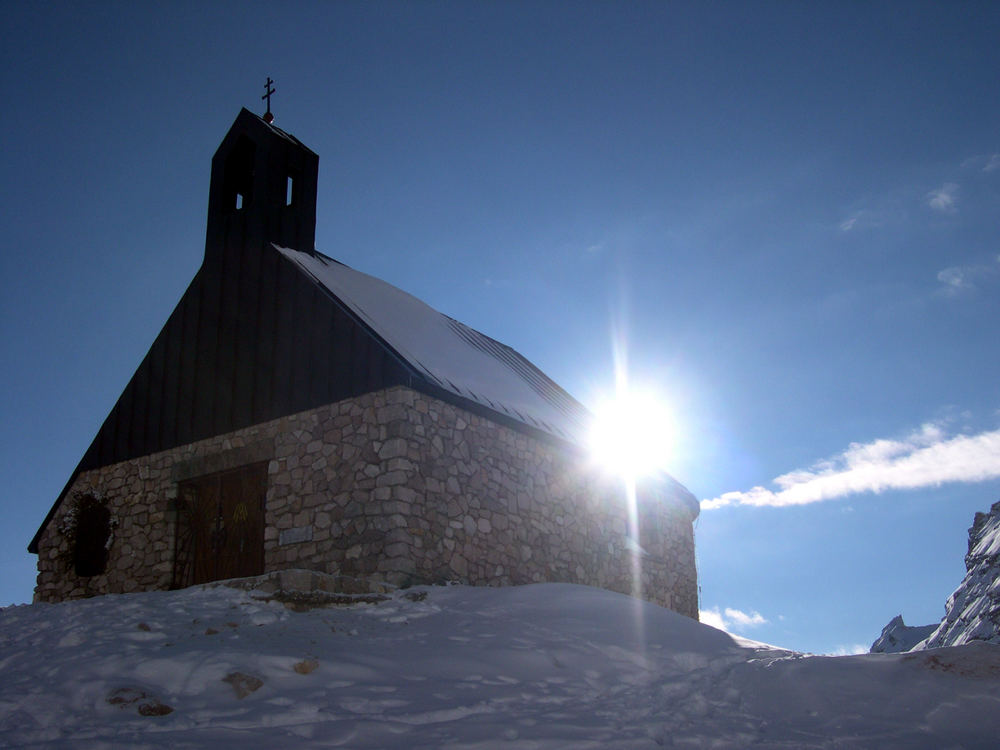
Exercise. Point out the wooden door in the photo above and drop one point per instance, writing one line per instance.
(220, 530)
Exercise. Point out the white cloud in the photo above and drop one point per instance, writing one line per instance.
(850, 222)
(865, 218)
(944, 199)
(925, 458)
(958, 279)
(983, 162)
(730, 619)
(712, 618)
(850, 650)
(955, 279)
(743, 619)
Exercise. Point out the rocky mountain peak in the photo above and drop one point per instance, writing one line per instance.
(973, 610)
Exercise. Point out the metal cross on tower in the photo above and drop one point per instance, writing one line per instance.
(268, 90)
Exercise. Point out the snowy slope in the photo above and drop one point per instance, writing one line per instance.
(543, 666)
(973, 610)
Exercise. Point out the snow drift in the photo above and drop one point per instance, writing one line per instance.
(542, 666)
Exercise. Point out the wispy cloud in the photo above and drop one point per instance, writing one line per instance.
(958, 279)
(955, 279)
(944, 199)
(730, 619)
(873, 212)
(864, 218)
(983, 162)
(856, 220)
(928, 457)
(850, 650)
(742, 619)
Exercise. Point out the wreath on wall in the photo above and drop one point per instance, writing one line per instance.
(89, 528)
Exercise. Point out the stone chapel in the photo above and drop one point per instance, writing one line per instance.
(296, 413)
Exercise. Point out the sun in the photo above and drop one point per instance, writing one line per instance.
(632, 433)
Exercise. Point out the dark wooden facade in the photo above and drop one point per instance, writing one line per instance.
(252, 339)
(241, 349)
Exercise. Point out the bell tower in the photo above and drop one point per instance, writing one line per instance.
(263, 190)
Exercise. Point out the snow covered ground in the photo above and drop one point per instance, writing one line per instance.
(543, 666)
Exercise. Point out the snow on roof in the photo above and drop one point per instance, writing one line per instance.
(448, 353)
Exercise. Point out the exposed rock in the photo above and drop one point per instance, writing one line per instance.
(977, 660)
(123, 697)
(305, 666)
(897, 636)
(973, 610)
(145, 704)
(243, 684)
(154, 708)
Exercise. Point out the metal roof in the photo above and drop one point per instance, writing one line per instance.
(449, 353)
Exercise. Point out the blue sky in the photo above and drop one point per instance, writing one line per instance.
(789, 211)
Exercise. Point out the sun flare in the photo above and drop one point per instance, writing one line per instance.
(632, 434)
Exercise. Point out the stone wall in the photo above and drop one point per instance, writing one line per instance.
(401, 488)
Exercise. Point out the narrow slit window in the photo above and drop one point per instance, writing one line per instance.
(239, 176)
(289, 190)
